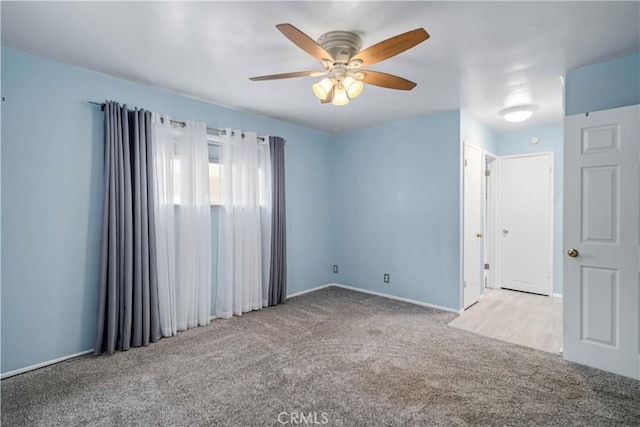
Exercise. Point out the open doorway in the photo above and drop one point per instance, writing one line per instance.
(516, 210)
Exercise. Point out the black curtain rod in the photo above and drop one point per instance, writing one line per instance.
(175, 122)
(181, 123)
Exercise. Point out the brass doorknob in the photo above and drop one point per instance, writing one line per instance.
(479, 235)
(573, 253)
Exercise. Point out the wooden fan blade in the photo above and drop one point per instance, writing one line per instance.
(284, 76)
(304, 42)
(390, 81)
(391, 47)
(329, 97)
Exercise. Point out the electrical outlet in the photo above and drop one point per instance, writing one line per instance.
(335, 268)
(386, 278)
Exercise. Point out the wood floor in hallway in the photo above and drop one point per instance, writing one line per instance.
(517, 317)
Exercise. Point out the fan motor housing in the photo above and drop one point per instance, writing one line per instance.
(341, 45)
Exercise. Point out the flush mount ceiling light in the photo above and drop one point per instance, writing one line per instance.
(341, 58)
(518, 113)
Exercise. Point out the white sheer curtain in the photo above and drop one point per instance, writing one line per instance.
(244, 245)
(163, 146)
(183, 225)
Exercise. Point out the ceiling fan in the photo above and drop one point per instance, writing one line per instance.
(342, 60)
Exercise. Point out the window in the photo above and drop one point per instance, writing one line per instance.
(214, 170)
(214, 182)
(214, 177)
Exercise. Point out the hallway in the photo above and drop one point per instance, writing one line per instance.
(517, 317)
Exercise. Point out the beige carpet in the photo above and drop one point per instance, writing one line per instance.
(351, 359)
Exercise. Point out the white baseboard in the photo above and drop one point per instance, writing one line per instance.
(556, 295)
(54, 361)
(43, 364)
(317, 288)
(410, 301)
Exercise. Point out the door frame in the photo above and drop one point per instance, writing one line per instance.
(550, 154)
(490, 220)
(462, 221)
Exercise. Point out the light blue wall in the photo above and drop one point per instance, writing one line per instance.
(475, 133)
(396, 209)
(602, 86)
(52, 199)
(551, 139)
(381, 200)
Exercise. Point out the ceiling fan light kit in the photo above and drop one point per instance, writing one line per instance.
(518, 113)
(339, 95)
(340, 55)
(344, 84)
(322, 88)
(353, 86)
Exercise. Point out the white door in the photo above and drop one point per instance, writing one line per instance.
(601, 239)
(472, 225)
(525, 218)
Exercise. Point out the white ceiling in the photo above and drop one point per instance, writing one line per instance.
(482, 56)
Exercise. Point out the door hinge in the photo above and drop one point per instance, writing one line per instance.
(465, 163)
(487, 172)
(486, 266)
(465, 283)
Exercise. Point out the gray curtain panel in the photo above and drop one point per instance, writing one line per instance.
(278, 273)
(128, 294)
